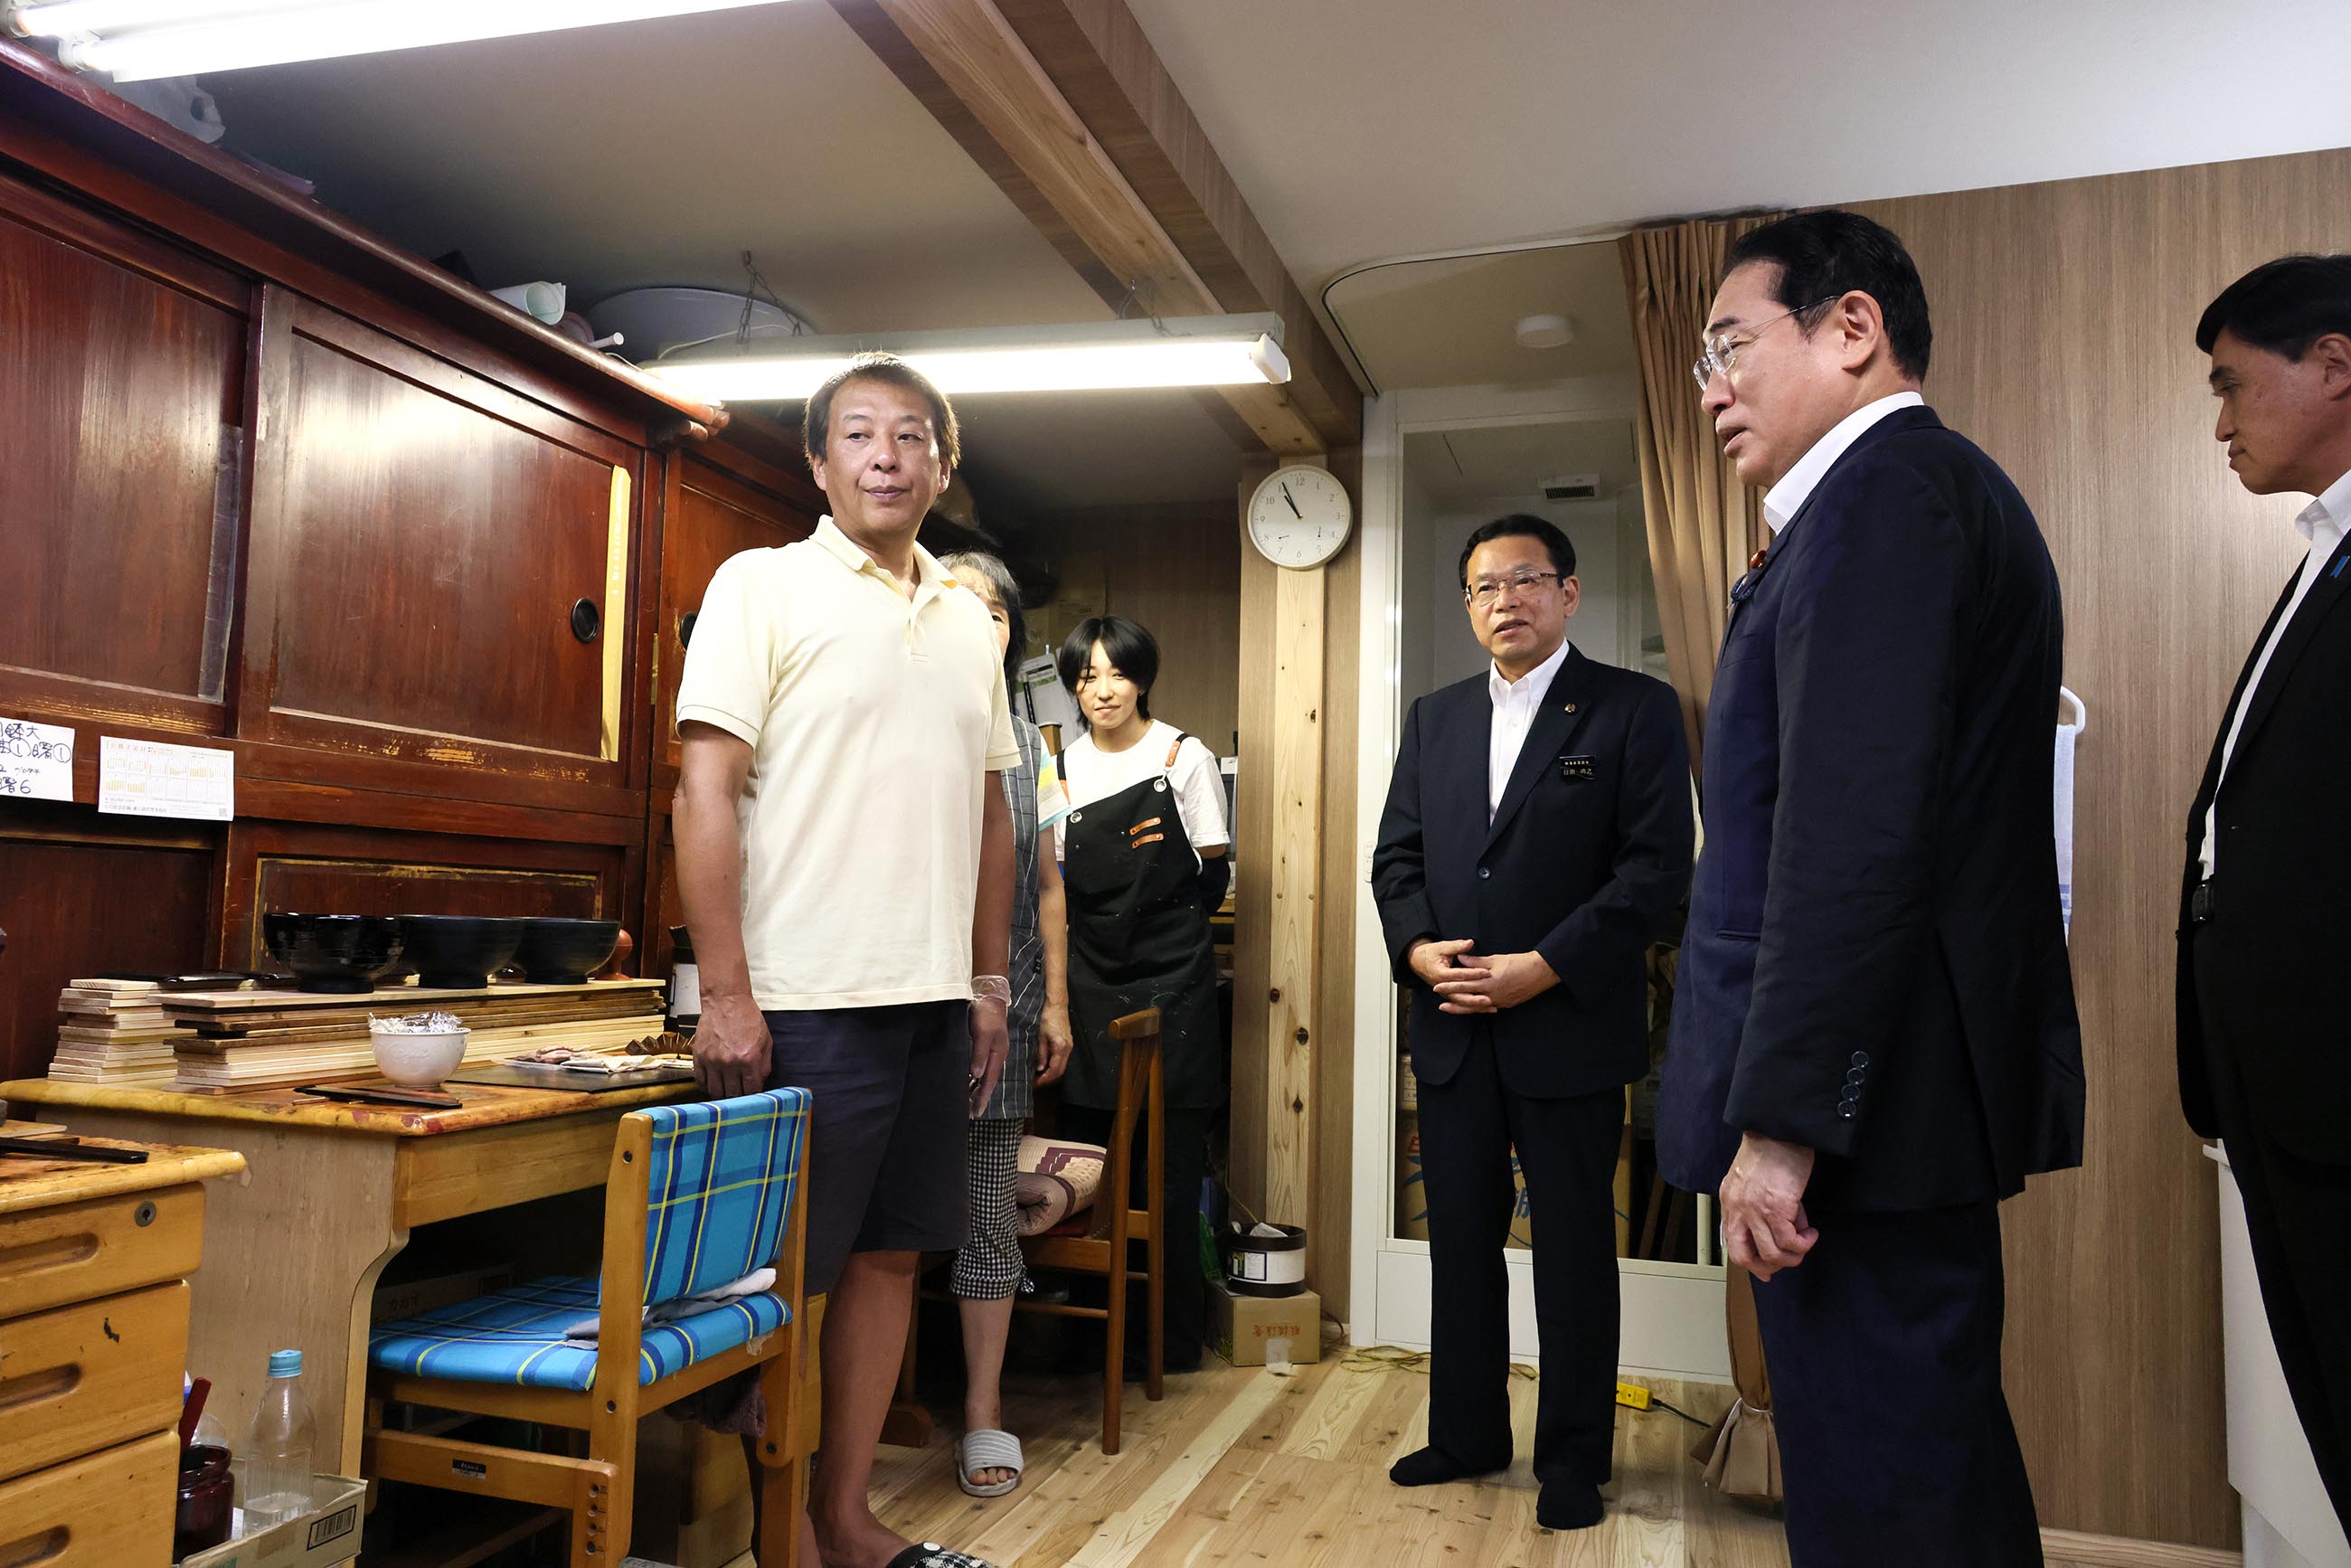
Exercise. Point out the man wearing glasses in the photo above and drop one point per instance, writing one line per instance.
(1536, 840)
(1874, 1036)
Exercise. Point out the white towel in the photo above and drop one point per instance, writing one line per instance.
(2068, 735)
(750, 1284)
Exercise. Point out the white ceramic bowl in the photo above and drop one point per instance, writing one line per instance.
(418, 1061)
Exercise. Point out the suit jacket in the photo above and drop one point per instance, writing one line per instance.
(2282, 884)
(1876, 964)
(1585, 862)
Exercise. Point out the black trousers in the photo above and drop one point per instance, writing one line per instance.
(2294, 1218)
(1184, 1296)
(1896, 1445)
(1567, 1149)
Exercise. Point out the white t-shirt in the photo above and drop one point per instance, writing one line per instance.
(1092, 773)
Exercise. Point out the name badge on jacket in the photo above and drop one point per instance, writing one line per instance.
(1576, 769)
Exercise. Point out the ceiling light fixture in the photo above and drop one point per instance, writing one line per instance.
(136, 40)
(1546, 331)
(1101, 356)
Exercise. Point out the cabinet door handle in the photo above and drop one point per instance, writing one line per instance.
(587, 621)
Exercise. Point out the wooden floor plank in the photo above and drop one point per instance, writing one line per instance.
(1241, 1467)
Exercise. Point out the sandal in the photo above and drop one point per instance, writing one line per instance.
(931, 1554)
(987, 1450)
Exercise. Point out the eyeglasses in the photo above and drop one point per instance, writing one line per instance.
(1722, 354)
(1486, 590)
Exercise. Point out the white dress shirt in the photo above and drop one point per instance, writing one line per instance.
(2322, 523)
(1787, 497)
(1515, 706)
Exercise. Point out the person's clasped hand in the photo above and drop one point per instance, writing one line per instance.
(1763, 1221)
(1483, 983)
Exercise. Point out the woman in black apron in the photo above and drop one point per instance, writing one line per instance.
(1144, 861)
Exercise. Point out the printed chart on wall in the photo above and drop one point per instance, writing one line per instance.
(150, 778)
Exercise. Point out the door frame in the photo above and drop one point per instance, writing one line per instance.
(1673, 1316)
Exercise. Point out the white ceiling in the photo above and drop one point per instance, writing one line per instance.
(1453, 322)
(1457, 468)
(656, 152)
(1367, 128)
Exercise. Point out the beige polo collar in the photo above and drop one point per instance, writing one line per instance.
(846, 550)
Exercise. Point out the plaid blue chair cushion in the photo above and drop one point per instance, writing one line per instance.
(516, 1337)
(718, 1189)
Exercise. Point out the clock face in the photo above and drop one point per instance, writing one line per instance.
(1300, 517)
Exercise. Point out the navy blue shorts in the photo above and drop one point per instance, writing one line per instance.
(887, 1126)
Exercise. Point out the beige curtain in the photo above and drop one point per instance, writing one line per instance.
(1703, 523)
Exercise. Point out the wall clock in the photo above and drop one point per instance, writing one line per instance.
(1300, 517)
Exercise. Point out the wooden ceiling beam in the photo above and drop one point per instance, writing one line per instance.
(1096, 53)
(966, 62)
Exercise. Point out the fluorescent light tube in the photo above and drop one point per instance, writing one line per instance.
(136, 40)
(1187, 351)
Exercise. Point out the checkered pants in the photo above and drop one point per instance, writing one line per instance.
(989, 1266)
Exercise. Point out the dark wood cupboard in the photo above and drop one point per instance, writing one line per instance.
(269, 485)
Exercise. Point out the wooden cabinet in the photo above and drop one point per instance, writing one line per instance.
(276, 488)
(122, 373)
(441, 567)
(93, 1341)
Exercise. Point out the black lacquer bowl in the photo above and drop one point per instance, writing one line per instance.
(332, 952)
(555, 952)
(459, 951)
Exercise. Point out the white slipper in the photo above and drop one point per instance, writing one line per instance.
(987, 1450)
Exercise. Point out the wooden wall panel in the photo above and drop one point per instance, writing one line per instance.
(77, 900)
(122, 391)
(1177, 569)
(710, 515)
(1253, 861)
(421, 537)
(323, 870)
(2064, 317)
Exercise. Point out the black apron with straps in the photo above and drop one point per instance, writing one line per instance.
(1139, 938)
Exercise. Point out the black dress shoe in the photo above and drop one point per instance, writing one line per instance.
(1568, 1505)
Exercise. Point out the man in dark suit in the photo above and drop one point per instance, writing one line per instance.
(1536, 840)
(2264, 1030)
(1874, 1037)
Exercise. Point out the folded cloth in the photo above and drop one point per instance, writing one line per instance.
(585, 1330)
(1056, 1179)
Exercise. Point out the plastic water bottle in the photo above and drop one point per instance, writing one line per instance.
(277, 1461)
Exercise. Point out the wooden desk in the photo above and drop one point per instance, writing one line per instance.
(329, 1194)
(93, 1339)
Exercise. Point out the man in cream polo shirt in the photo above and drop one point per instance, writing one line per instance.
(845, 862)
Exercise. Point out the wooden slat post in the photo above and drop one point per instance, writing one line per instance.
(1294, 930)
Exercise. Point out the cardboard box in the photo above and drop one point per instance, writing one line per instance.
(1244, 1325)
(325, 1537)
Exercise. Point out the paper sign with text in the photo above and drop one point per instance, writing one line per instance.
(149, 778)
(35, 760)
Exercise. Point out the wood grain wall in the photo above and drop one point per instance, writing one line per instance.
(1177, 569)
(2064, 315)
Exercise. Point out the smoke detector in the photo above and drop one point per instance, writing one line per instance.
(1572, 488)
(1545, 331)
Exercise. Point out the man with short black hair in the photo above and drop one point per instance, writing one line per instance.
(1536, 840)
(845, 859)
(2263, 1060)
(1873, 1037)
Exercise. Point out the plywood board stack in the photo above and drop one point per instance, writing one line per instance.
(115, 1031)
(257, 1040)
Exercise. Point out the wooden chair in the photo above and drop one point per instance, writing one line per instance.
(700, 1193)
(1102, 1250)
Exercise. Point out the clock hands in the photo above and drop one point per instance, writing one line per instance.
(1293, 504)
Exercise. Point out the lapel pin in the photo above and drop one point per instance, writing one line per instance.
(1571, 707)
